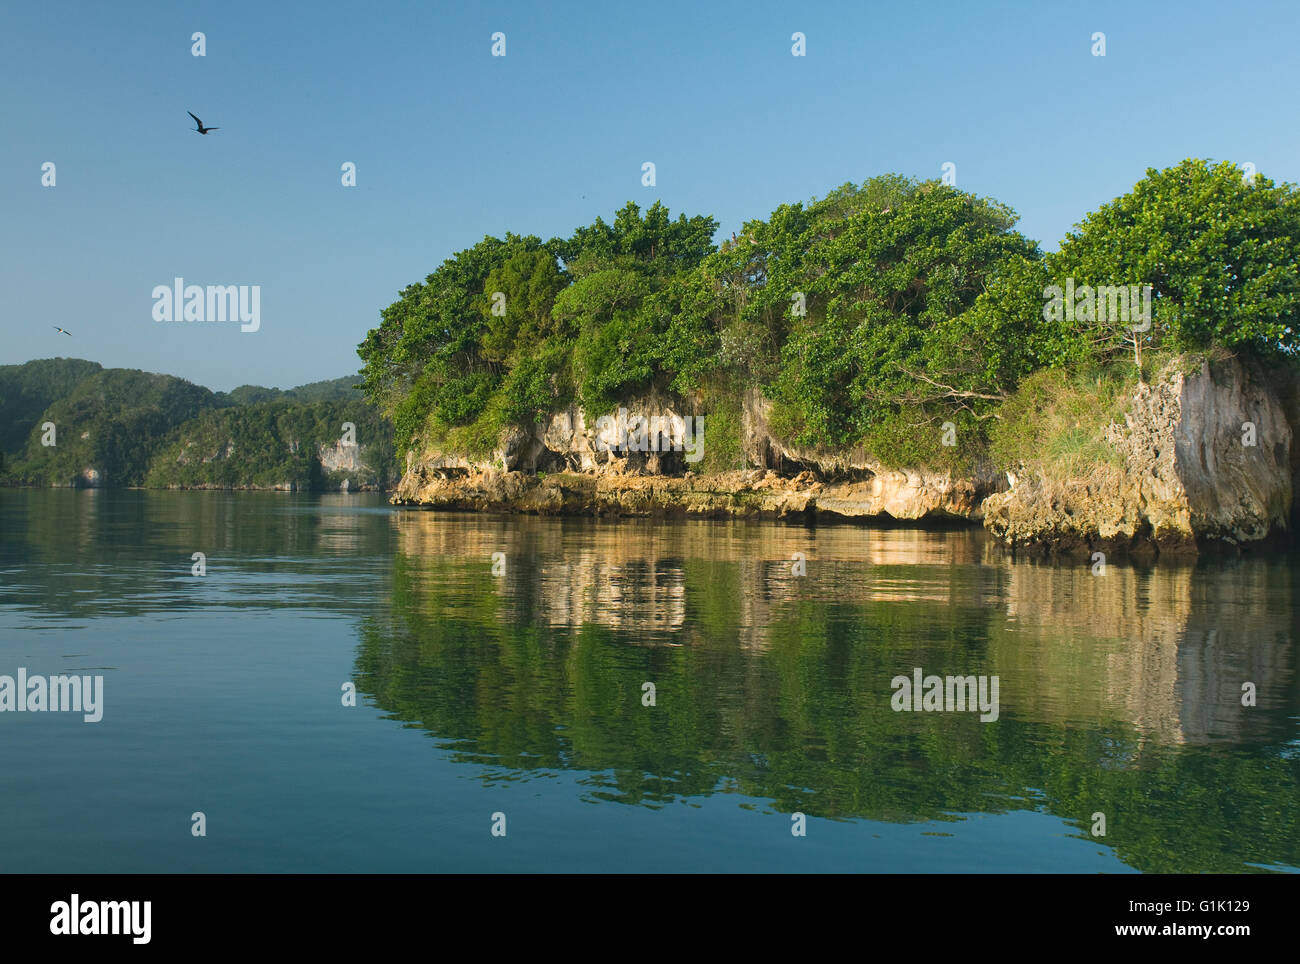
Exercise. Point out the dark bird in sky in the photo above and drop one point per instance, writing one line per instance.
(64, 330)
(201, 129)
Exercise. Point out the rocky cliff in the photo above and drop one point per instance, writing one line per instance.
(754, 493)
(599, 474)
(1204, 457)
(1209, 458)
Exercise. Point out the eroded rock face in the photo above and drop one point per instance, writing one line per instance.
(567, 441)
(868, 488)
(346, 468)
(1235, 490)
(755, 493)
(1190, 475)
(1184, 478)
(598, 479)
(340, 457)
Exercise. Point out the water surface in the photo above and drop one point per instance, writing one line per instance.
(521, 693)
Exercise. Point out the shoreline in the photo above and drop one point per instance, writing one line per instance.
(764, 496)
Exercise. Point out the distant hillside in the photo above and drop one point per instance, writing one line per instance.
(108, 428)
(121, 427)
(28, 390)
(280, 444)
(333, 390)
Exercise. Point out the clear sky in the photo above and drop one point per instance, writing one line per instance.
(452, 144)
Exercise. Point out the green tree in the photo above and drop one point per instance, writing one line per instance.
(864, 294)
(521, 319)
(1221, 254)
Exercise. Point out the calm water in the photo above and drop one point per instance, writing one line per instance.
(521, 694)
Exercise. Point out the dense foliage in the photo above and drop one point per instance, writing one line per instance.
(869, 317)
(1220, 252)
(851, 311)
(587, 317)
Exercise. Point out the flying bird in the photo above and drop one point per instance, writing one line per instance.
(200, 128)
(64, 330)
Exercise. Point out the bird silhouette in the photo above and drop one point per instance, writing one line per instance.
(64, 330)
(200, 128)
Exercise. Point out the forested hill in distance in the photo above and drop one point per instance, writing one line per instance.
(335, 390)
(68, 421)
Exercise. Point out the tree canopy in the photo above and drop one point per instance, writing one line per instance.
(868, 317)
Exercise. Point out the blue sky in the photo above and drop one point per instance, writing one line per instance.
(452, 144)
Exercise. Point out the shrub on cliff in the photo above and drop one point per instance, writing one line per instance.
(1057, 420)
(1221, 253)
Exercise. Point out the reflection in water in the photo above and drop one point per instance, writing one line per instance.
(1120, 693)
(1116, 689)
(87, 553)
(1166, 650)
